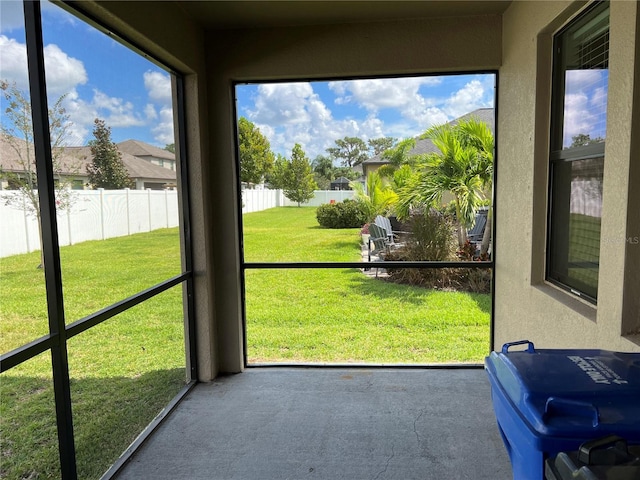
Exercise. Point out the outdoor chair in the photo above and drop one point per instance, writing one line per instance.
(475, 233)
(378, 243)
(378, 240)
(385, 224)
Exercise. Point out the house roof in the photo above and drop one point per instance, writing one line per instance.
(73, 161)
(136, 167)
(425, 145)
(341, 180)
(142, 149)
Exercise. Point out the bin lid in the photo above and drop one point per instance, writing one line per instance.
(570, 392)
(608, 458)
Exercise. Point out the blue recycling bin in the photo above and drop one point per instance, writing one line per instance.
(551, 401)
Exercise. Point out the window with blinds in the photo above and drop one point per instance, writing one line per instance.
(578, 133)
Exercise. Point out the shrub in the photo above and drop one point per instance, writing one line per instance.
(433, 239)
(346, 214)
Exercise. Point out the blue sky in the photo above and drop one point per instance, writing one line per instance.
(100, 77)
(104, 79)
(315, 114)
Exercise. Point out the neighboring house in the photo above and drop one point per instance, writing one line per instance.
(341, 183)
(155, 155)
(425, 145)
(72, 167)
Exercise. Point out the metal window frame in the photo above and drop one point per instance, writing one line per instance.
(557, 154)
(59, 332)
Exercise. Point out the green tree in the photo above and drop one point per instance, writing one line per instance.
(324, 171)
(298, 179)
(346, 172)
(17, 132)
(323, 166)
(170, 147)
(256, 157)
(477, 135)
(463, 167)
(397, 156)
(277, 176)
(380, 145)
(584, 139)
(351, 151)
(106, 169)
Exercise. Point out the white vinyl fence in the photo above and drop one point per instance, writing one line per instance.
(102, 214)
(93, 215)
(256, 200)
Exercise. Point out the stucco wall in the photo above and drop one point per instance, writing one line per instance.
(413, 46)
(526, 306)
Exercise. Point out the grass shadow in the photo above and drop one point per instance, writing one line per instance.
(108, 414)
(364, 285)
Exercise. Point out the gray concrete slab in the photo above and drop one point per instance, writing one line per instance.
(332, 423)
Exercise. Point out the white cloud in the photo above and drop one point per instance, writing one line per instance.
(64, 73)
(81, 114)
(119, 112)
(159, 86)
(163, 129)
(150, 112)
(282, 104)
(376, 94)
(293, 113)
(13, 62)
(116, 112)
(403, 95)
(470, 97)
(585, 104)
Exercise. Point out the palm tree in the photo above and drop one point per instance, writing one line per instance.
(479, 135)
(397, 156)
(378, 198)
(463, 167)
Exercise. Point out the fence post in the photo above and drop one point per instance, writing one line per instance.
(126, 197)
(69, 223)
(26, 223)
(166, 207)
(149, 207)
(102, 212)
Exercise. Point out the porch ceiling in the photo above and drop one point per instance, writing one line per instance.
(258, 14)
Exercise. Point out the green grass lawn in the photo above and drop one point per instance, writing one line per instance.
(341, 315)
(124, 371)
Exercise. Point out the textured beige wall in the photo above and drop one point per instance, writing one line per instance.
(416, 46)
(526, 306)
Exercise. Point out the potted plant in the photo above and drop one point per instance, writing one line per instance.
(364, 233)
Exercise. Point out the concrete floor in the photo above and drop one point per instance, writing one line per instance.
(331, 423)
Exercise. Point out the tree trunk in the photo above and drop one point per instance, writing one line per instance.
(462, 230)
